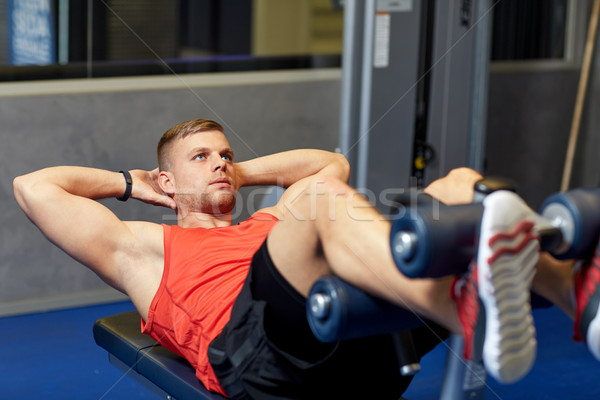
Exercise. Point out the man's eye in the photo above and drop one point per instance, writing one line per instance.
(226, 157)
(199, 157)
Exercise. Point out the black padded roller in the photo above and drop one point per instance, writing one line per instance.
(435, 240)
(337, 311)
(577, 214)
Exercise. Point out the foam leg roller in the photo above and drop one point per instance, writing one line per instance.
(412, 198)
(577, 214)
(338, 311)
(435, 241)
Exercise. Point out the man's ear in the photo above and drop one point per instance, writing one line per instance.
(166, 183)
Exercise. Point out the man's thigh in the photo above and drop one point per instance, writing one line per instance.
(297, 254)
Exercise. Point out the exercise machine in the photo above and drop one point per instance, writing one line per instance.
(414, 90)
(433, 240)
(568, 225)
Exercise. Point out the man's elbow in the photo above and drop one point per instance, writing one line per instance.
(19, 184)
(343, 166)
(23, 190)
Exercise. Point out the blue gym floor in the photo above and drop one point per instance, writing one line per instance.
(53, 356)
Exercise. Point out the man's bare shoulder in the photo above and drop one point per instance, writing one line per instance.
(275, 211)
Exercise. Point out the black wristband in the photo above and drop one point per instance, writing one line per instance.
(129, 185)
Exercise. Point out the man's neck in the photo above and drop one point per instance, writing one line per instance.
(203, 220)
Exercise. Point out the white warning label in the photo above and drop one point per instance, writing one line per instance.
(381, 51)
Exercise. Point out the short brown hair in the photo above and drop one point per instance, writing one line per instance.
(180, 131)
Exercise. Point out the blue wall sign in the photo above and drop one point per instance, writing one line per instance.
(31, 32)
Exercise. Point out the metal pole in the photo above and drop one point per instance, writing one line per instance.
(90, 38)
(481, 69)
(365, 104)
(351, 76)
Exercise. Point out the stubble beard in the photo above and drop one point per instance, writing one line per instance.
(210, 203)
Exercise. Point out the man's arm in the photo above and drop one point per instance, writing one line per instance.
(286, 168)
(60, 202)
(293, 170)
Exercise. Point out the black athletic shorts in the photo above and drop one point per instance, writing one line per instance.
(267, 350)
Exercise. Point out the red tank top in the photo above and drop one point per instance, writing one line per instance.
(204, 272)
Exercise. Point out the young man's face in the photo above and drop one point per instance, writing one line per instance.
(203, 173)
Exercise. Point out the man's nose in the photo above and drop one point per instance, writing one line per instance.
(219, 164)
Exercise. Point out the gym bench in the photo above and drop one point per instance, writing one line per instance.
(142, 358)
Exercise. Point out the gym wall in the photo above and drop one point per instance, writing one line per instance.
(115, 124)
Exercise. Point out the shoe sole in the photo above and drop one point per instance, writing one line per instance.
(593, 336)
(591, 318)
(508, 253)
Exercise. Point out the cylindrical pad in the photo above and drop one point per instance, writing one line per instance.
(445, 239)
(351, 313)
(577, 214)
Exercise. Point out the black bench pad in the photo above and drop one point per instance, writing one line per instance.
(120, 335)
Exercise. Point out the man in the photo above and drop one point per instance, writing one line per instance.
(184, 279)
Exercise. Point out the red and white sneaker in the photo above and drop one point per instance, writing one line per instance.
(493, 300)
(587, 298)
(465, 294)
